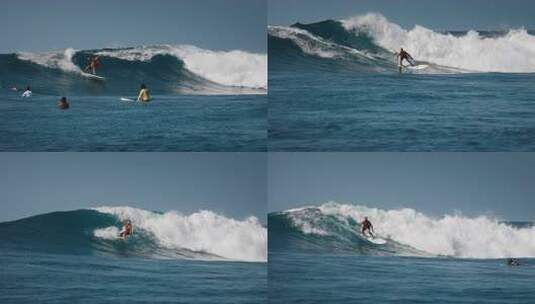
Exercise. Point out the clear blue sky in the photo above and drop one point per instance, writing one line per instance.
(37, 25)
(233, 184)
(434, 14)
(501, 184)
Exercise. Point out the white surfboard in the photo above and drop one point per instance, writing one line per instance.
(378, 241)
(126, 99)
(418, 67)
(96, 77)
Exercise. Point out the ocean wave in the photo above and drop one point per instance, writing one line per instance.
(371, 39)
(203, 235)
(408, 232)
(166, 69)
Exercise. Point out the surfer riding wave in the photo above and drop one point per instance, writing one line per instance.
(127, 229)
(403, 55)
(366, 225)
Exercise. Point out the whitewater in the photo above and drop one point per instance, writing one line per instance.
(454, 235)
(203, 231)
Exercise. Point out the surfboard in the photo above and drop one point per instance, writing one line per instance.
(126, 99)
(378, 241)
(96, 77)
(418, 67)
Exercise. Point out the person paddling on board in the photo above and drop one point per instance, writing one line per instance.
(366, 225)
(144, 94)
(127, 229)
(93, 64)
(403, 55)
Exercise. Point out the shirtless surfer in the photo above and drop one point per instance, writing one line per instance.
(127, 229)
(403, 55)
(93, 64)
(366, 225)
(144, 94)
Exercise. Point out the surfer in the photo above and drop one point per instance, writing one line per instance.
(27, 92)
(127, 229)
(93, 64)
(367, 226)
(403, 55)
(144, 94)
(63, 103)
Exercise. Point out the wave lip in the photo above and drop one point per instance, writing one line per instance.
(410, 232)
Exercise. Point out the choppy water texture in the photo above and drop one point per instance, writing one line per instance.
(312, 278)
(317, 255)
(202, 101)
(334, 86)
(77, 256)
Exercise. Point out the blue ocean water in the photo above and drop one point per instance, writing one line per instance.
(202, 101)
(335, 86)
(105, 123)
(77, 257)
(29, 277)
(317, 255)
(297, 277)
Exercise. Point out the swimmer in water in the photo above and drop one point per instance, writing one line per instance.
(63, 103)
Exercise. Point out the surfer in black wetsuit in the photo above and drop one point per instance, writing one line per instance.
(403, 55)
(366, 225)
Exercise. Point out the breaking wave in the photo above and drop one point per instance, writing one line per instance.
(201, 235)
(368, 42)
(334, 227)
(182, 69)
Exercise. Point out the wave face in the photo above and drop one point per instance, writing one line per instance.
(367, 43)
(166, 69)
(333, 227)
(203, 235)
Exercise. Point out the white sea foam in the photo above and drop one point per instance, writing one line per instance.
(203, 231)
(55, 59)
(512, 52)
(452, 235)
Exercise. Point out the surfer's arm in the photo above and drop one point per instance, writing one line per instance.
(139, 96)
